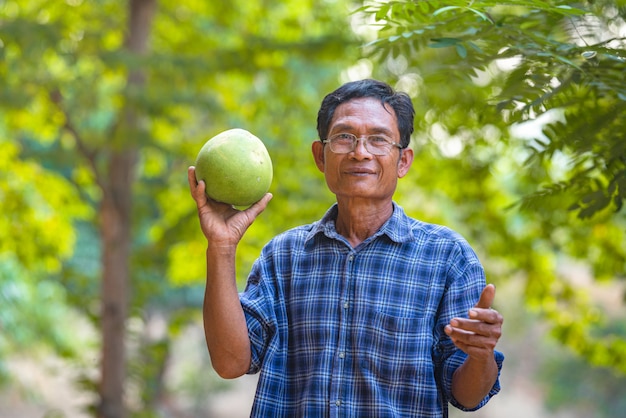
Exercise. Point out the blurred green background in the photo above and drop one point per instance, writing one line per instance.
(519, 143)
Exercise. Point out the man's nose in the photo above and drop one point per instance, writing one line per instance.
(360, 147)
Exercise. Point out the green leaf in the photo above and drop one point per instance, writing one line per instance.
(381, 13)
(460, 49)
(443, 42)
(475, 47)
(445, 9)
(482, 15)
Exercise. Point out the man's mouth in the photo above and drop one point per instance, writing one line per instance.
(360, 172)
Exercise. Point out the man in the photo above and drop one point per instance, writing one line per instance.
(367, 312)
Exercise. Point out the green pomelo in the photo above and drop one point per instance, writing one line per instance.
(235, 167)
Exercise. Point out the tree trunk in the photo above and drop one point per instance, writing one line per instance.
(116, 237)
(115, 217)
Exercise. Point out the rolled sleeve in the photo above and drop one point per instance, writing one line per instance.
(256, 305)
(453, 363)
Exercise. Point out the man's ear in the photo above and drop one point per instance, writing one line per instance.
(317, 148)
(405, 161)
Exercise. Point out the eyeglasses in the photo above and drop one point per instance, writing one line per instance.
(344, 143)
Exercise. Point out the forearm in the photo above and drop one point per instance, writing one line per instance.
(473, 380)
(225, 326)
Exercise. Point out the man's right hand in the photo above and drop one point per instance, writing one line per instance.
(222, 224)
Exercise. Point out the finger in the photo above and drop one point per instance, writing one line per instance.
(193, 183)
(491, 316)
(465, 339)
(191, 177)
(475, 347)
(259, 206)
(197, 188)
(492, 328)
(241, 220)
(486, 297)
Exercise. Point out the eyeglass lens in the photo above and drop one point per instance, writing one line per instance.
(374, 144)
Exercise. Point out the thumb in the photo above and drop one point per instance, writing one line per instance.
(486, 297)
(254, 210)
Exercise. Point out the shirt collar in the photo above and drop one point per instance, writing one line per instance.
(397, 227)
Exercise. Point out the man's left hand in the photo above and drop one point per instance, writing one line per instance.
(478, 335)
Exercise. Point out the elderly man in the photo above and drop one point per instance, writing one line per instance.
(366, 312)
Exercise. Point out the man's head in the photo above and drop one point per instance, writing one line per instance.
(398, 101)
(364, 165)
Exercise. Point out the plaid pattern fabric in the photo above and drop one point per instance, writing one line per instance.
(338, 331)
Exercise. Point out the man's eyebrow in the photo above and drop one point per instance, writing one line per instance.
(375, 130)
(342, 127)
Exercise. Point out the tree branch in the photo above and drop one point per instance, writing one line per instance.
(90, 155)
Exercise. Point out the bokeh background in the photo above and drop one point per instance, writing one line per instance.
(519, 143)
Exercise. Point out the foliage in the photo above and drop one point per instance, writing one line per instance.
(523, 105)
(33, 232)
(35, 241)
(563, 57)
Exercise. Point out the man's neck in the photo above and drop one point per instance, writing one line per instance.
(358, 220)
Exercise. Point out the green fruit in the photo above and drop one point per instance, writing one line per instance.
(235, 167)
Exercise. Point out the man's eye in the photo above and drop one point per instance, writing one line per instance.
(379, 140)
(347, 137)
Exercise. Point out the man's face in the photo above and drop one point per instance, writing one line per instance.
(360, 174)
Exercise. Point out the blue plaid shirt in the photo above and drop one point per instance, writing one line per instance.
(338, 331)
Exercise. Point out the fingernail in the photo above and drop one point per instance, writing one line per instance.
(473, 313)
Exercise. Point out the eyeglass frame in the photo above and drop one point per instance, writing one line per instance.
(365, 139)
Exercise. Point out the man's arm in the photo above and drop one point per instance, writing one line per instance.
(477, 337)
(225, 326)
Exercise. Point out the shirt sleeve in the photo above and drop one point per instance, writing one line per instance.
(257, 304)
(454, 362)
(466, 280)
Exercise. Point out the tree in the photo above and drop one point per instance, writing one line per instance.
(485, 76)
(117, 99)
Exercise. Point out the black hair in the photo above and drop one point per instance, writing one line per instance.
(400, 102)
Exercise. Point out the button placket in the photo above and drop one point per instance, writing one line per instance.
(344, 327)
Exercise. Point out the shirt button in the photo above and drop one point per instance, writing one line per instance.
(346, 305)
(351, 257)
(342, 355)
(337, 402)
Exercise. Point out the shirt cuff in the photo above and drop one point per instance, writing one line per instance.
(499, 357)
